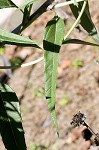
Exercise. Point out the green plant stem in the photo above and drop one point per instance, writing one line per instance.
(77, 20)
(65, 3)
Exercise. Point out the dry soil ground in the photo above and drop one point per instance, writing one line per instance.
(77, 90)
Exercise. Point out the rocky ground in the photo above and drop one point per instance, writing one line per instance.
(77, 90)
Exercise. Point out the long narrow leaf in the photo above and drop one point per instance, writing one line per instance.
(77, 41)
(53, 37)
(6, 4)
(10, 120)
(14, 39)
(86, 21)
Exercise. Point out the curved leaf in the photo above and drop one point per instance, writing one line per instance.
(86, 21)
(6, 4)
(77, 41)
(10, 120)
(53, 37)
(14, 39)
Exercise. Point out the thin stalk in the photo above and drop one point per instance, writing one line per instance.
(33, 62)
(66, 3)
(23, 65)
(88, 127)
(77, 20)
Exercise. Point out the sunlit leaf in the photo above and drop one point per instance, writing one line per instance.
(86, 21)
(14, 39)
(11, 128)
(6, 4)
(54, 33)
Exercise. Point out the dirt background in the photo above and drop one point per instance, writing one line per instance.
(77, 89)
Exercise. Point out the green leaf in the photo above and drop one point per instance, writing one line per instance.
(77, 63)
(54, 33)
(6, 4)
(27, 2)
(64, 101)
(86, 21)
(10, 120)
(26, 15)
(77, 41)
(27, 5)
(14, 39)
